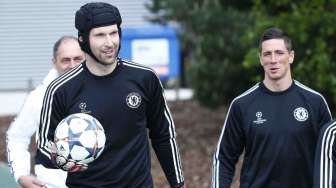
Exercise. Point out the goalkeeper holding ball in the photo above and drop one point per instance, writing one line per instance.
(125, 97)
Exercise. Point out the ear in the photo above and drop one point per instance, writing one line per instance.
(259, 55)
(291, 56)
(80, 38)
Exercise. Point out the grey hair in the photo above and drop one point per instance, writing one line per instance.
(59, 42)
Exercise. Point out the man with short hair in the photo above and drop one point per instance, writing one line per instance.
(125, 97)
(66, 55)
(276, 122)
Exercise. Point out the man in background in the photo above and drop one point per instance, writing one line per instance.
(276, 122)
(66, 55)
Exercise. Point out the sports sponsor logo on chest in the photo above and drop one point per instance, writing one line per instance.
(300, 114)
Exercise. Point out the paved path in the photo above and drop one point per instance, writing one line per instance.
(6, 180)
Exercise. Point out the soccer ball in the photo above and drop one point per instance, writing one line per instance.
(80, 139)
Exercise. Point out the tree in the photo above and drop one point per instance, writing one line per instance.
(219, 38)
(210, 32)
(310, 23)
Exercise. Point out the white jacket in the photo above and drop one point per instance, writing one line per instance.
(24, 126)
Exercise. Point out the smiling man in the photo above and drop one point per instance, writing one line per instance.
(125, 97)
(66, 55)
(276, 122)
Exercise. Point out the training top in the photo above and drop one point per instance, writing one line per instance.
(325, 158)
(278, 131)
(130, 104)
(23, 127)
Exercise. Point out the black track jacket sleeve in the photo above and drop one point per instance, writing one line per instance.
(51, 114)
(229, 148)
(163, 136)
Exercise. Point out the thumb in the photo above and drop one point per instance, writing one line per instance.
(53, 147)
(38, 182)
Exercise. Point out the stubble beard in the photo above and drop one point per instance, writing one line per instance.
(280, 76)
(105, 63)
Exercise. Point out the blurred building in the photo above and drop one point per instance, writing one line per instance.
(28, 30)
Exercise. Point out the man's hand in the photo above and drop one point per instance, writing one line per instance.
(64, 163)
(69, 165)
(184, 185)
(30, 181)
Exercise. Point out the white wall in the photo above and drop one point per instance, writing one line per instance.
(29, 28)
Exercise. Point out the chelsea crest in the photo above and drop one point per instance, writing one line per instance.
(133, 100)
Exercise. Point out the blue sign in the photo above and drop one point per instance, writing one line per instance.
(154, 46)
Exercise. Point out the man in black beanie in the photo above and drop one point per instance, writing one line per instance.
(126, 98)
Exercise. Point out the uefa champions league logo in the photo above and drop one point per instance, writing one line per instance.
(133, 100)
(82, 107)
(259, 120)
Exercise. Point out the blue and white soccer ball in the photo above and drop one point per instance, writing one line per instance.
(79, 138)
